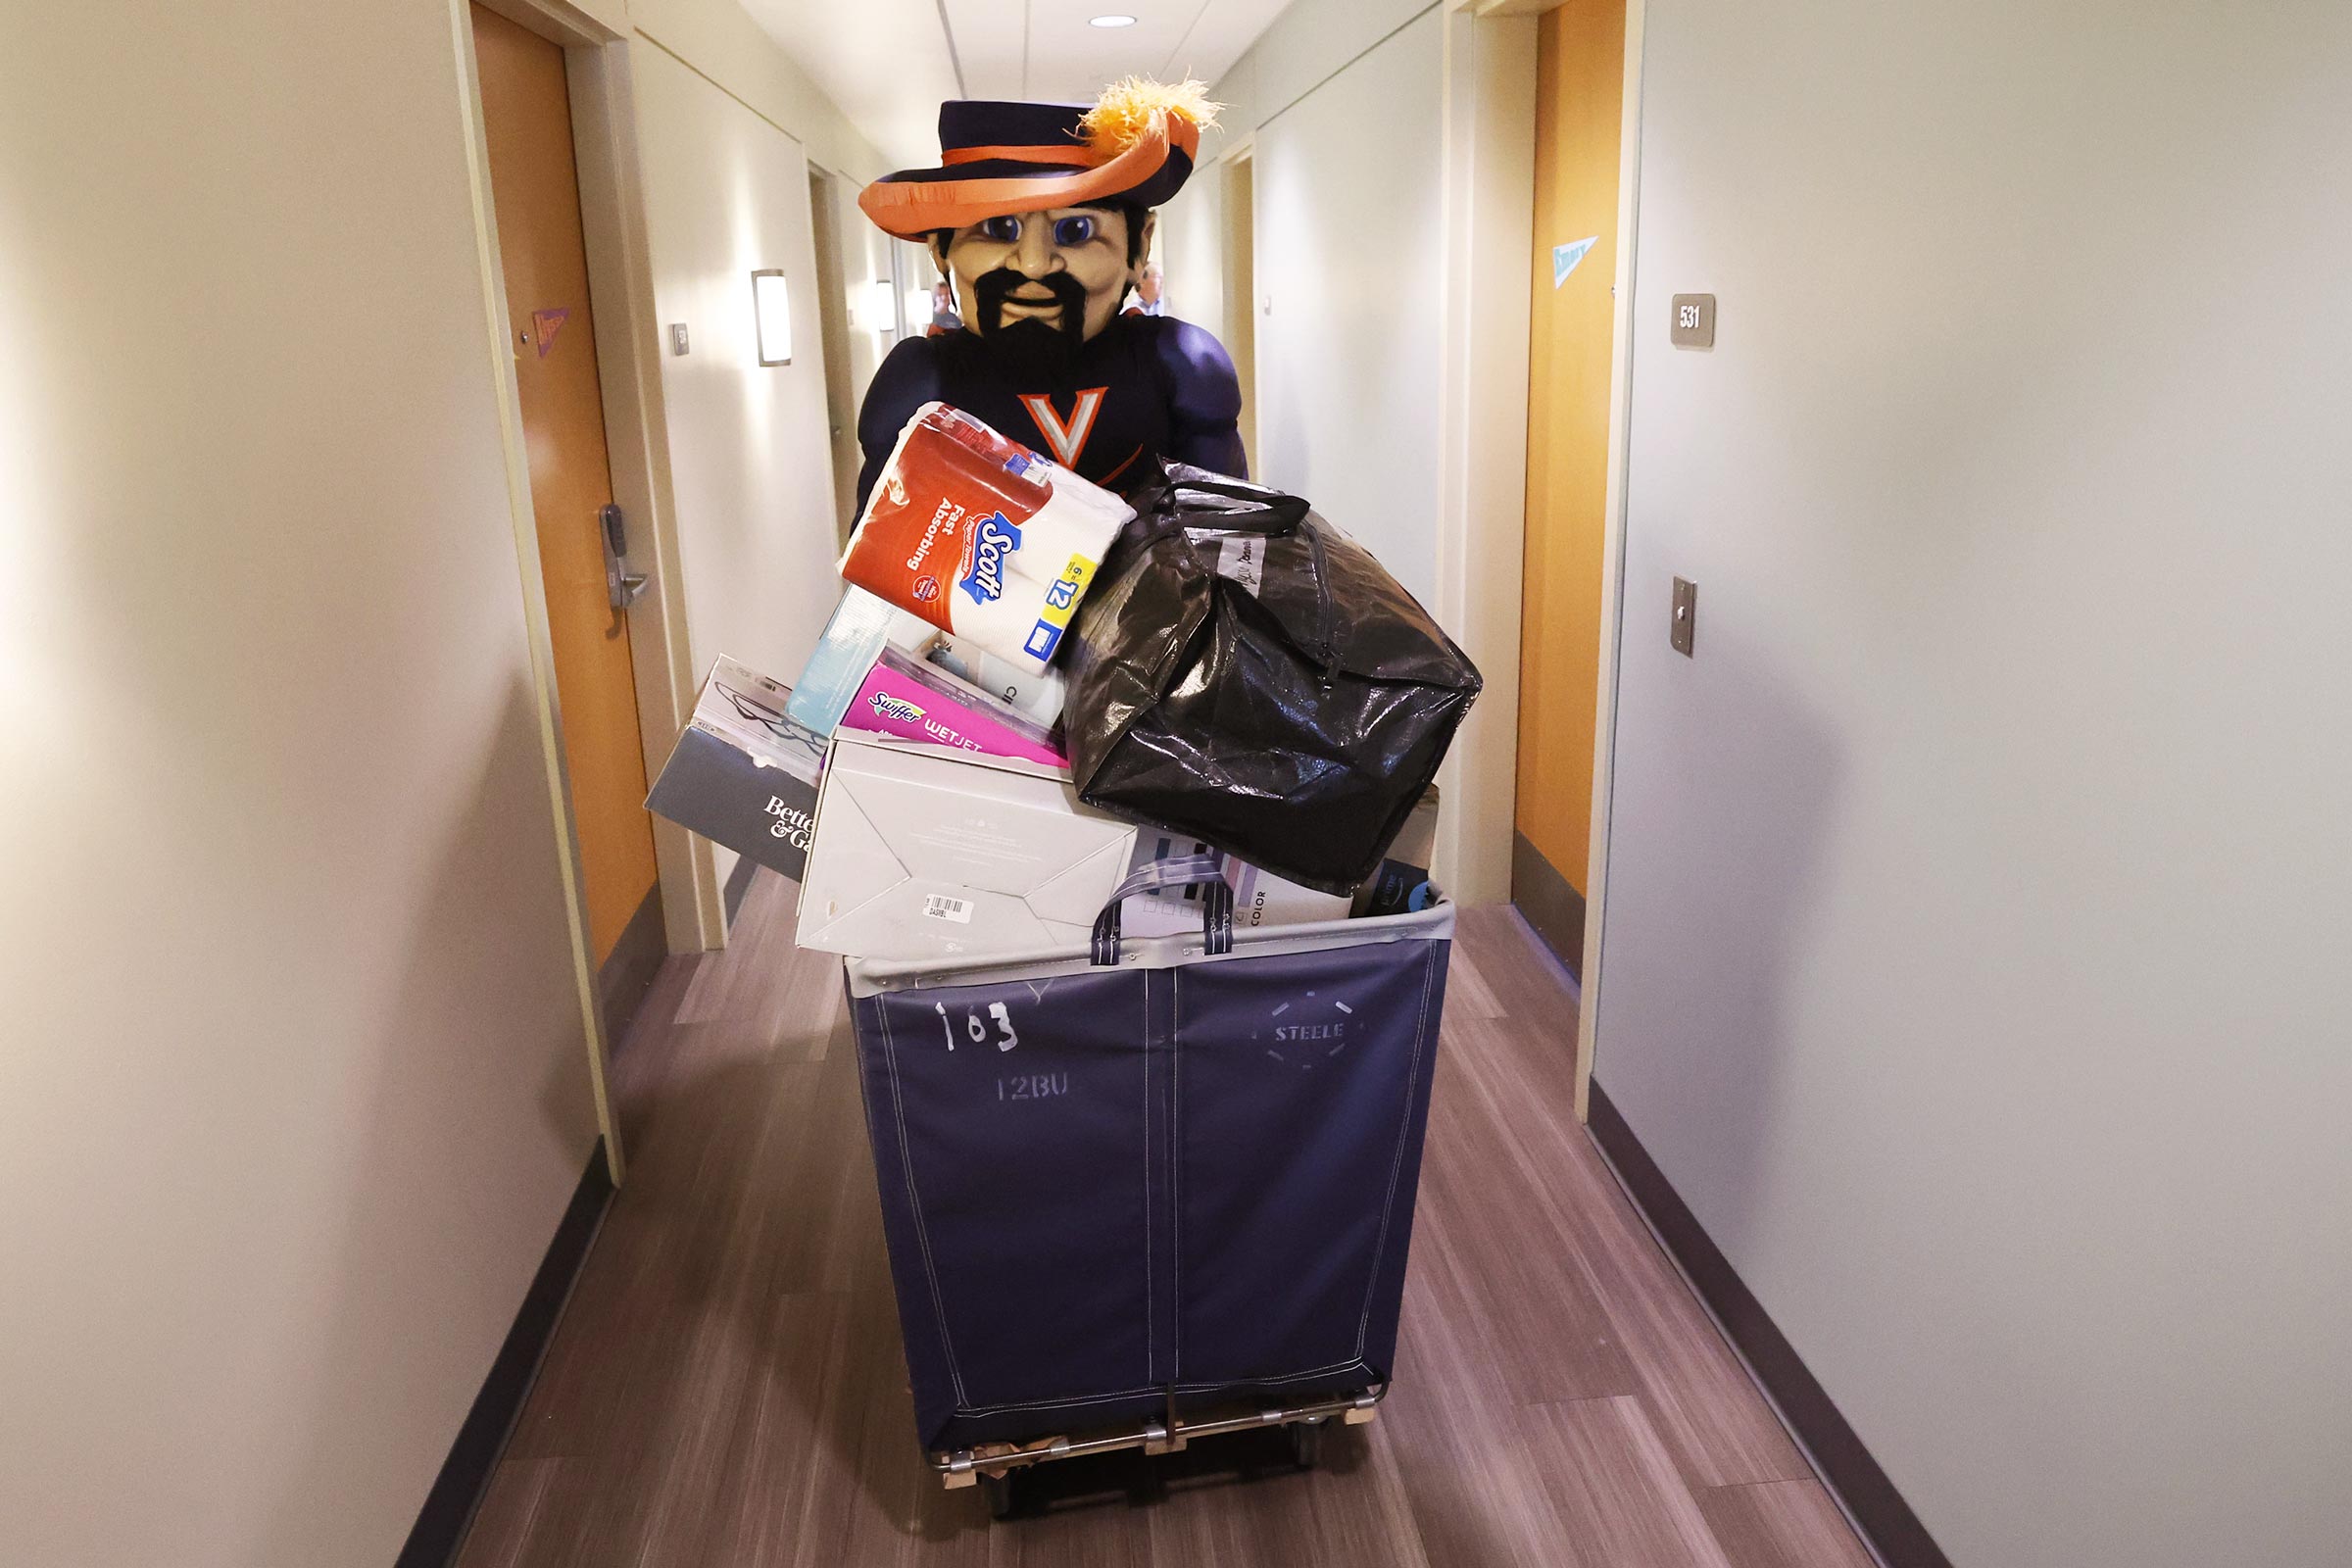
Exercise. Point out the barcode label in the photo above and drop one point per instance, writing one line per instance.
(939, 907)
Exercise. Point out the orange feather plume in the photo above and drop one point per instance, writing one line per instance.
(1131, 109)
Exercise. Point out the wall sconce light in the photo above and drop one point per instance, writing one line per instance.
(919, 312)
(771, 313)
(881, 306)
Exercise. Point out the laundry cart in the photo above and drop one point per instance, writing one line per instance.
(1150, 1190)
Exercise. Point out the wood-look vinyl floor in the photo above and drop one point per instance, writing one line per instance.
(726, 1386)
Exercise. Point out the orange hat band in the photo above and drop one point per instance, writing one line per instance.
(1075, 152)
(914, 207)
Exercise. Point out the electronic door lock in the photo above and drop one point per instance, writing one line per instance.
(622, 587)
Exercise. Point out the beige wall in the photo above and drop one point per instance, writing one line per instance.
(726, 192)
(725, 46)
(294, 1085)
(1191, 249)
(1977, 903)
(1391, 322)
(1347, 283)
(1349, 251)
(726, 129)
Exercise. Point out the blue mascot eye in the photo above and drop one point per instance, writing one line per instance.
(1004, 231)
(1073, 231)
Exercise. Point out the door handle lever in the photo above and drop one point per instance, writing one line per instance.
(622, 587)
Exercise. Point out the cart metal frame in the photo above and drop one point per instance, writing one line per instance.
(991, 1466)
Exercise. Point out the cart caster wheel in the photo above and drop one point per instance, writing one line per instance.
(1003, 1503)
(1306, 1443)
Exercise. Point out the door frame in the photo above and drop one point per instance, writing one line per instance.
(1612, 553)
(1487, 128)
(594, 35)
(1489, 125)
(836, 330)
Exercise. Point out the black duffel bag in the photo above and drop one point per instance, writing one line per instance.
(1244, 673)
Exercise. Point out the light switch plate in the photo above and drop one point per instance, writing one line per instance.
(677, 337)
(1686, 616)
(1694, 320)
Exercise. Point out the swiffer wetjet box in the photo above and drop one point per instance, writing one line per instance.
(743, 774)
(926, 852)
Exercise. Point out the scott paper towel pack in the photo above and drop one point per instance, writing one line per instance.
(982, 537)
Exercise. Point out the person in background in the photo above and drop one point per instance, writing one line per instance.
(943, 309)
(1148, 298)
(1041, 216)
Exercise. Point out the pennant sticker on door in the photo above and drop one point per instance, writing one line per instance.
(1563, 259)
(545, 325)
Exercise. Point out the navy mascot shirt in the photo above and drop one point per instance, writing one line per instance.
(1145, 387)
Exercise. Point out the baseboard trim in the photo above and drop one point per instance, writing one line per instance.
(448, 1512)
(738, 882)
(1552, 907)
(1871, 1499)
(623, 979)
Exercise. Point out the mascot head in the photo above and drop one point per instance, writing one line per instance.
(1040, 213)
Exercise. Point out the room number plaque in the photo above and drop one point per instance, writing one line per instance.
(1694, 320)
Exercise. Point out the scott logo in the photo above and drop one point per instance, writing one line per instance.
(992, 539)
(896, 709)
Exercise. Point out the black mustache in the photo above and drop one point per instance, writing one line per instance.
(992, 288)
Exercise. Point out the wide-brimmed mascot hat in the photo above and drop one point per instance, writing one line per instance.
(1136, 144)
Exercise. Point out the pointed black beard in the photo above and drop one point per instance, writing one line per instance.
(1033, 351)
(1029, 347)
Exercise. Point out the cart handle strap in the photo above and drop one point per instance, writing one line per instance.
(1204, 871)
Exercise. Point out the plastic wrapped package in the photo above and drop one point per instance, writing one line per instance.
(982, 537)
(862, 626)
(1246, 673)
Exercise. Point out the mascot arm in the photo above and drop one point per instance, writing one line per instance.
(1205, 400)
(906, 380)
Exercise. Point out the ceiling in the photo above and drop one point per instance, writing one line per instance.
(889, 62)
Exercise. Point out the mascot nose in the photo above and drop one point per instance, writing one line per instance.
(1033, 254)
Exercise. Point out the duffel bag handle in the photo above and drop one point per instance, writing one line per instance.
(1272, 512)
(1275, 512)
(1206, 871)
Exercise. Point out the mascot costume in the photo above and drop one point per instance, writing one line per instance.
(1041, 216)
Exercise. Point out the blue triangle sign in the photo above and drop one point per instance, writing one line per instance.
(1565, 257)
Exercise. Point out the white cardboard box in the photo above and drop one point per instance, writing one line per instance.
(927, 851)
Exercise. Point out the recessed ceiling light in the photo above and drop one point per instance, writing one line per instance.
(1110, 22)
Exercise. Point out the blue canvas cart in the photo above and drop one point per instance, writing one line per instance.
(1150, 1189)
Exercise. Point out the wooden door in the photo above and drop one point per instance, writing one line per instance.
(1239, 211)
(836, 283)
(526, 111)
(1579, 98)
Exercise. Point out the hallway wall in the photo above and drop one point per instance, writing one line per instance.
(1349, 259)
(727, 126)
(1978, 902)
(1393, 171)
(293, 1089)
(726, 192)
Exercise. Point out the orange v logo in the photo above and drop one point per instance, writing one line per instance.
(1067, 440)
